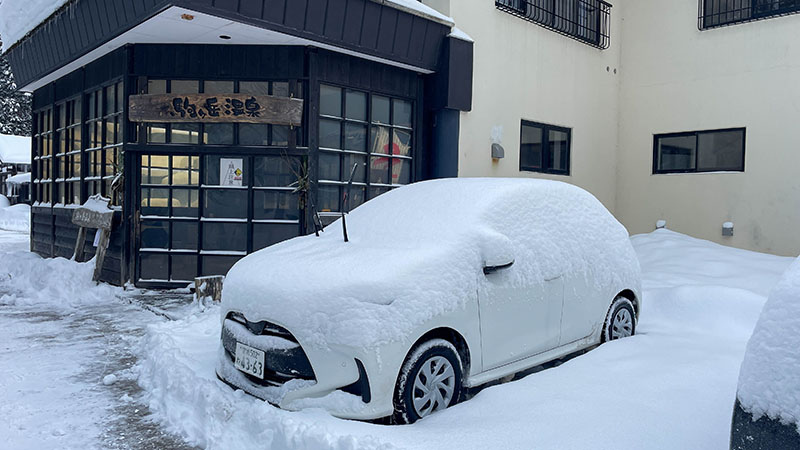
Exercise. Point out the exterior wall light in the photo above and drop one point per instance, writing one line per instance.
(498, 152)
(187, 17)
(727, 229)
(661, 224)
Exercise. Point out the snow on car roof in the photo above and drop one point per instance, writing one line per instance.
(769, 382)
(417, 252)
(15, 149)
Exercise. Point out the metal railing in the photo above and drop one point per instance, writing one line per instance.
(584, 20)
(720, 13)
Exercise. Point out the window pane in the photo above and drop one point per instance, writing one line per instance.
(218, 265)
(184, 235)
(330, 133)
(224, 236)
(254, 87)
(530, 148)
(401, 171)
(329, 166)
(218, 87)
(356, 103)
(185, 86)
(225, 203)
(380, 140)
(156, 134)
(185, 202)
(154, 266)
(559, 150)
(723, 150)
(328, 200)
(185, 133)
(676, 153)
(156, 86)
(154, 234)
(253, 134)
(402, 113)
(280, 89)
(379, 170)
(330, 101)
(274, 171)
(275, 205)
(380, 109)
(154, 200)
(280, 135)
(402, 143)
(184, 267)
(219, 134)
(185, 170)
(355, 137)
(360, 174)
(265, 235)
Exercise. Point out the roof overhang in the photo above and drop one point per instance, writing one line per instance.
(88, 29)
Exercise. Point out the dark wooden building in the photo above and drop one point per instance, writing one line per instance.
(381, 86)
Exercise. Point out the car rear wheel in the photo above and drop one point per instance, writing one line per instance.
(430, 381)
(621, 320)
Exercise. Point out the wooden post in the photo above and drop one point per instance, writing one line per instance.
(100, 256)
(208, 288)
(80, 244)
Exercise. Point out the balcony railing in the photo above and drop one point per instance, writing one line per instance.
(719, 13)
(584, 20)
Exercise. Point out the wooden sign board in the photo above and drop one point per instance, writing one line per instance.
(94, 214)
(215, 108)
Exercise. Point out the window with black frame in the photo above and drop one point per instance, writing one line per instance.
(68, 156)
(93, 154)
(372, 132)
(112, 139)
(699, 151)
(43, 156)
(584, 20)
(716, 13)
(544, 148)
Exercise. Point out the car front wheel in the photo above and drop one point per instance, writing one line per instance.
(430, 381)
(621, 320)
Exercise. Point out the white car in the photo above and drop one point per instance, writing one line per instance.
(443, 285)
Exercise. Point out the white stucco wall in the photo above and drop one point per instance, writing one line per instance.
(523, 71)
(677, 78)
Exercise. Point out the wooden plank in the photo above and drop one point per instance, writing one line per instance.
(102, 246)
(79, 244)
(215, 108)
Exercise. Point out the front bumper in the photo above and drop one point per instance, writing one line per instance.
(297, 377)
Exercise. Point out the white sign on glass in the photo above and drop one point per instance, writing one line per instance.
(231, 171)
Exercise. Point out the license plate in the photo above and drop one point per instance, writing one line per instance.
(250, 360)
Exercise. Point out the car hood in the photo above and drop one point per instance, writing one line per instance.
(357, 293)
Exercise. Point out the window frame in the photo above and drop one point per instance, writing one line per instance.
(749, 11)
(546, 161)
(696, 134)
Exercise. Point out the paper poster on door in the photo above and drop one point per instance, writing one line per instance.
(231, 171)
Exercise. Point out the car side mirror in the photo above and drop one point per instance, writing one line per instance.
(498, 253)
(492, 269)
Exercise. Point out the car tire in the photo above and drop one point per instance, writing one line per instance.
(430, 380)
(621, 320)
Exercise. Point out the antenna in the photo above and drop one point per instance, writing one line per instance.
(346, 201)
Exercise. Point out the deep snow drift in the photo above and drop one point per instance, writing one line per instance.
(670, 387)
(769, 382)
(15, 218)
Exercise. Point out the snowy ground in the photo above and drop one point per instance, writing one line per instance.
(670, 387)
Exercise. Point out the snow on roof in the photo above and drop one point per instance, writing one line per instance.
(769, 381)
(20, 17)
(416, 8)
(15, 149)
(458, 33)
(20, 178)
(416, 252)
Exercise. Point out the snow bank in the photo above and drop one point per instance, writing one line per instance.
(61, 284)
(4, 203)
(13, 149)
(417, 252)
(177, 370)
(19, 17)
(769, 382)
(15, 218)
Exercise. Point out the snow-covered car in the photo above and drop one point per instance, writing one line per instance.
(766, 415)
(444, 285)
